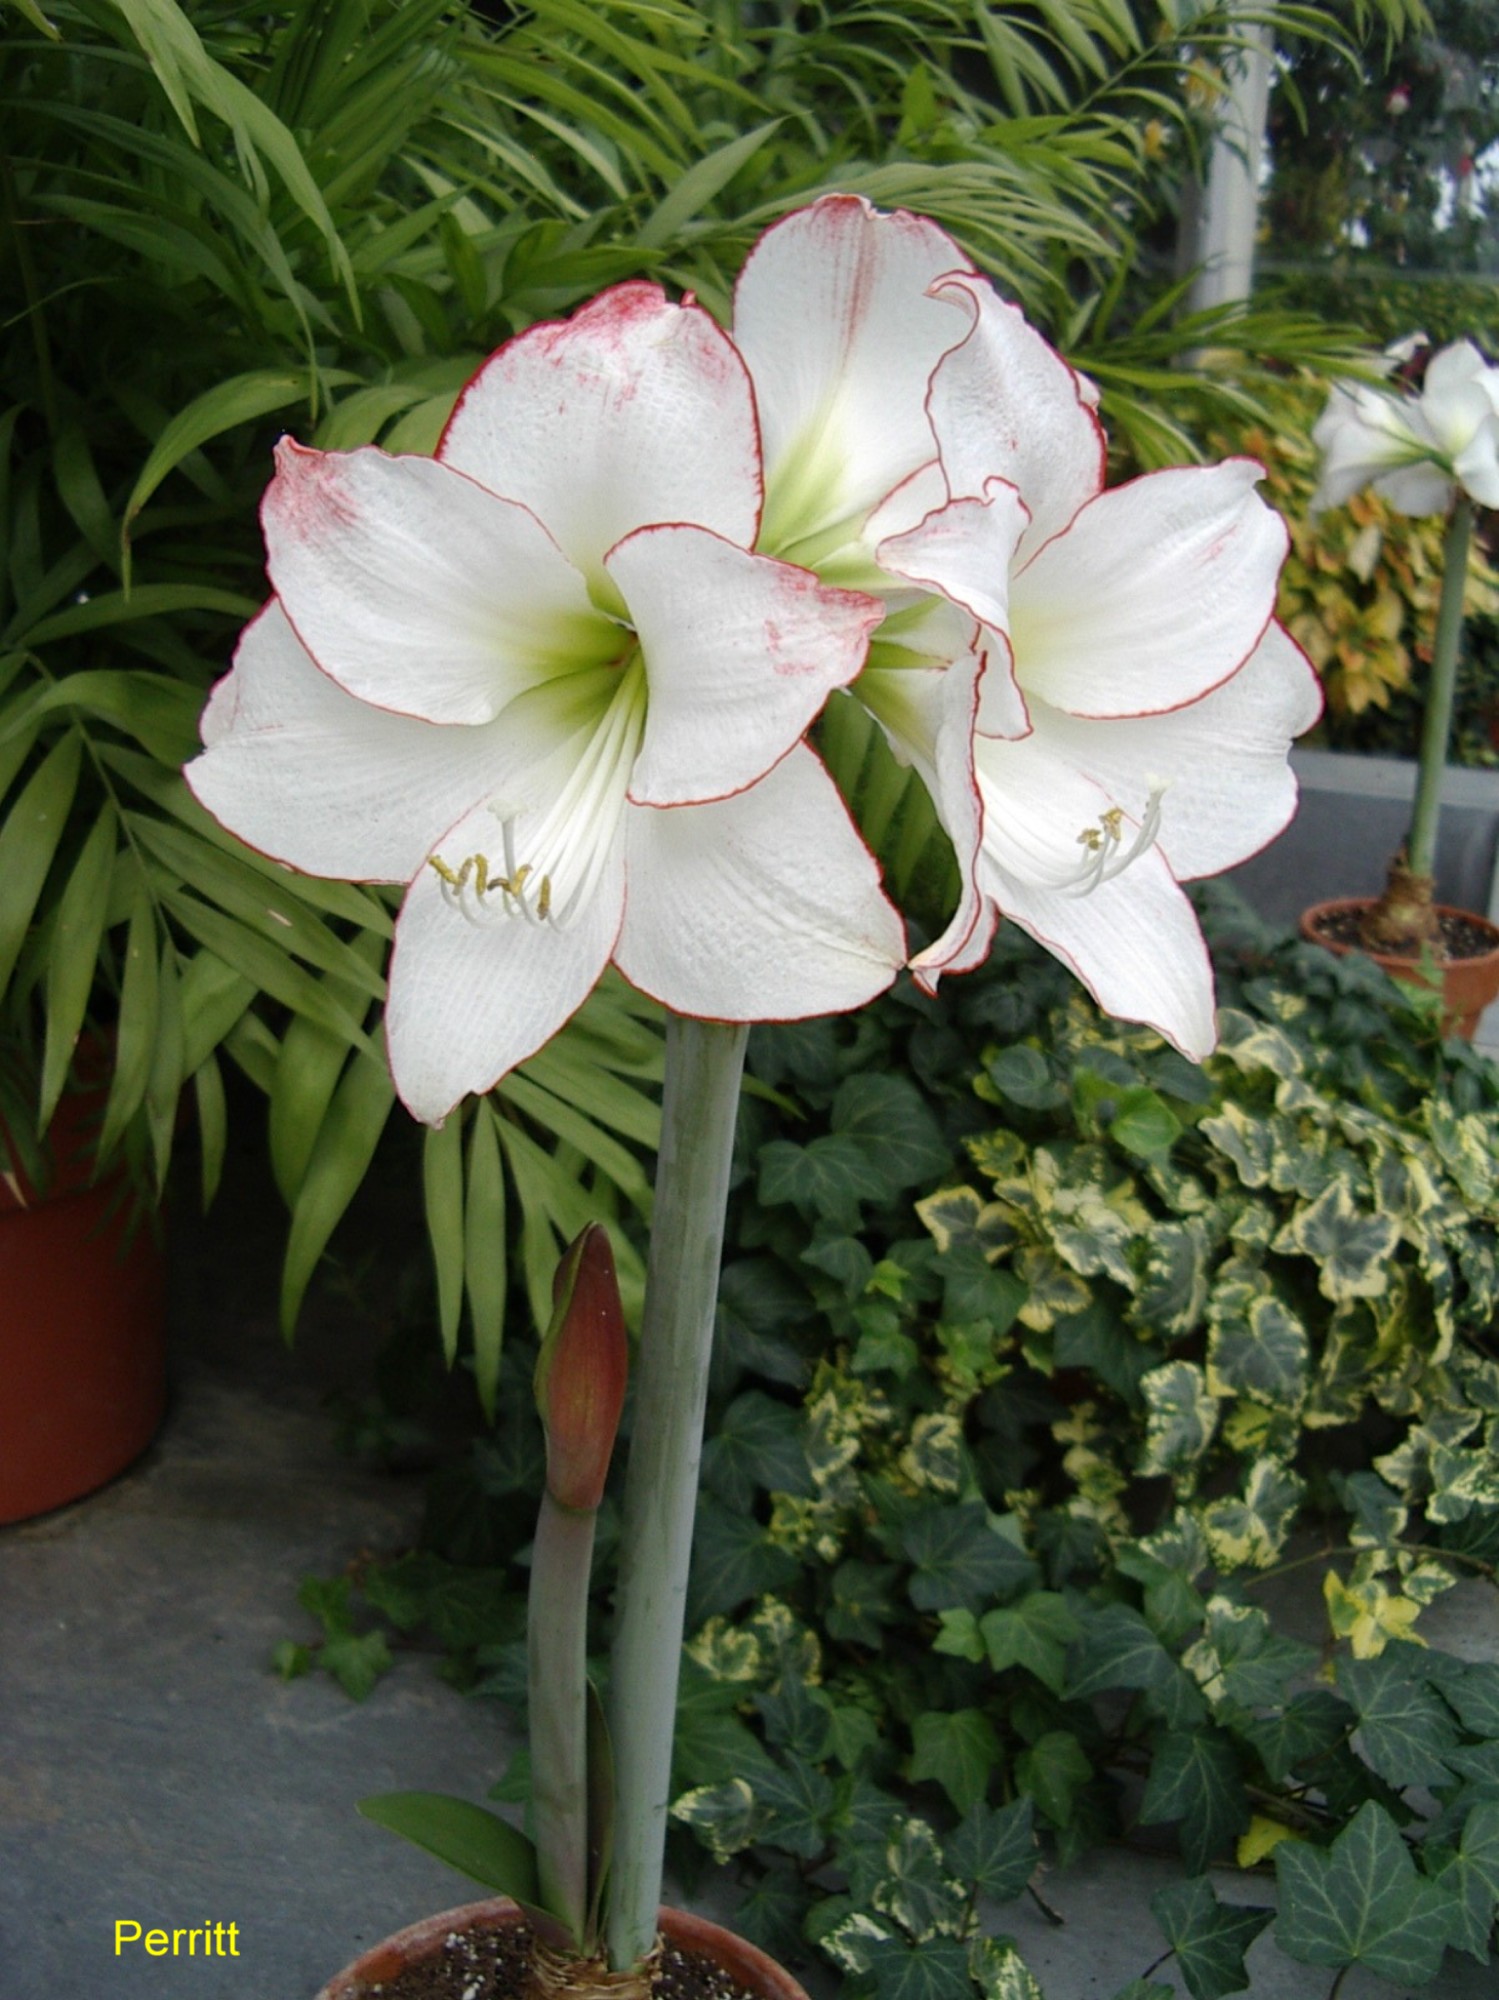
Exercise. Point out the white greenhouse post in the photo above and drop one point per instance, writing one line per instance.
(1220, 230)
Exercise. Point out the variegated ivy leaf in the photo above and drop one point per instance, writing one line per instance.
(999, 1972)
(1460, 1481)
(1251, 1045)
(1173, 1285)
(1479, 1381)
(1250, 1532)
(1406, 1178)
(1180, 1418)
(728, 1652)
(1340, 1383)
(1052, 1291)
(1366, 1613)
(960, 1215)
(840, 1411)
(1243, 1139)
(726, 1817)
(1468, 1145)
(1251, 1223)
(1263, 1353)
(933, 1460)
(853, 1943)
(1408, 1468)
(1259, 1430)
(1183, 1192)
(1378, 1516)
(1351, 1246)
(918, 1892)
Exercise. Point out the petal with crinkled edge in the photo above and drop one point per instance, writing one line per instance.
(1158, 591)
(1005, 405)
(834, 316)
(964, 551)
(309, 775)
(741, 653)
(1229, 786)
(419, 591)
(1133, 940)
(763, 906)
(632, 412)
(469, 1000)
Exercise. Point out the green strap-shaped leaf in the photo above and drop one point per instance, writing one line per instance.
(468, 1837)
(692, 191)
(28, 841)
(340, 1159)
(485, 1265)
(73, 959)
(135, 1031)
(307, 1074)
(213, 1124)
(442, 1195)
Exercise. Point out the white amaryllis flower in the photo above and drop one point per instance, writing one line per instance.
(1415, 448)
(1090, 683)
(544, 680)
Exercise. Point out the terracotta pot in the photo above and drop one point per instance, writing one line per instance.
(420, 1943)
(1468, 984)
(82, 1327)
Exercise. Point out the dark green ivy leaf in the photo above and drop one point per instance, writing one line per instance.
(959, 1558)
(957, 1749)
(1403, 1726)
(732, 1560)
(756, 1447)
(1311, 1724)
(994, 1854)
(1196, 1780)
(829, 1178)
(1209, 1938)
(356, 1662)
(797, 1800)
(1117, 1649)
(1361, 1902)
(888, 1116)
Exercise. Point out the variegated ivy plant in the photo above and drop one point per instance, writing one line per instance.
(994, 1511)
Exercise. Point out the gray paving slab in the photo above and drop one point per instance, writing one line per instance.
(153, 1769)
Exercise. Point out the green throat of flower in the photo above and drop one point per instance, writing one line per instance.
(552, 856)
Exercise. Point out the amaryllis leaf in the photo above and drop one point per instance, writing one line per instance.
(467, 1837)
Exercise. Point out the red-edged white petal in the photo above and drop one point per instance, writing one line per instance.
(741, 653)
(1133, 940)
(1005, 405)
(1158, 591)
(313, 777)
(964, 551)
(469, 999)
(928, 716)
(1229, 787)
(633, 411)
(763, 906)
(834, 315)
(418, 590)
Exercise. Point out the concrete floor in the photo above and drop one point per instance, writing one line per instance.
(153, 1769)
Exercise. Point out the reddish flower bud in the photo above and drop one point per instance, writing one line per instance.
(581, 1370)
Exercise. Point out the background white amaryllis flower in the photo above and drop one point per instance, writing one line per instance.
(1089, 683)
(1414, 448)
(544, 680)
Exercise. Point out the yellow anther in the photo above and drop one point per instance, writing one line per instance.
(1112, 821)
(1091, 838)
(544, 900)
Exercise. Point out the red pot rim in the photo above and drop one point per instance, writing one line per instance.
(1341, 905)
(743, 1961)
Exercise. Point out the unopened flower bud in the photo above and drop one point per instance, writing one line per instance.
(581, 1371)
